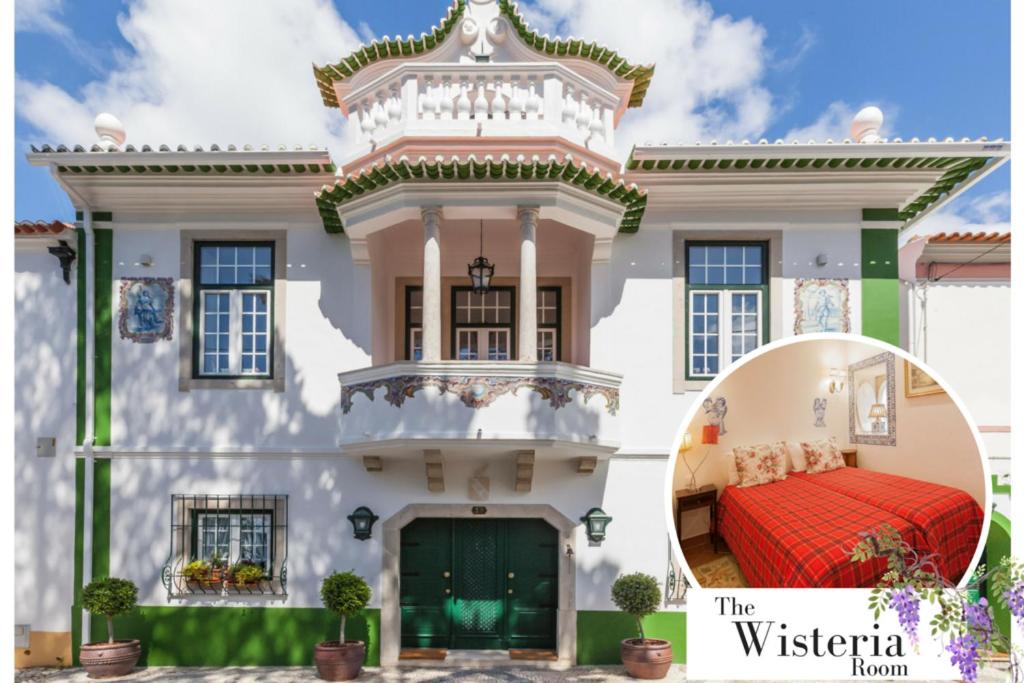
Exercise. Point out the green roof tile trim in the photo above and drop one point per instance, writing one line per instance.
(578, 48)
(383, 49)
(957, 171)
(390, 172)
(388, 48)
(198, 169)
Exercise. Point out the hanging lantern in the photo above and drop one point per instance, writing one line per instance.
(481, 270)
(362, 519)
(596, 522)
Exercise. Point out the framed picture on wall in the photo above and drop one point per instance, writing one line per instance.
(917, 382)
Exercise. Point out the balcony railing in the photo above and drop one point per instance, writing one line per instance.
(424, 99)
(449, 401)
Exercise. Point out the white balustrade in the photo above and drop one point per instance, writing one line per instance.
(419, 95)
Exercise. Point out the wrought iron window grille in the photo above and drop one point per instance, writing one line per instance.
(227, 545)
(676, 585)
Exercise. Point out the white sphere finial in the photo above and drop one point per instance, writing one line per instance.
(866, 124)
(110, 131)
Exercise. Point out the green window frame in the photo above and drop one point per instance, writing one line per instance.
(221, 312)
(724, 305)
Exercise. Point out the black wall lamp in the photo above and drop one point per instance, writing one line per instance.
(66, 255)
(597, 524)
(362, 519)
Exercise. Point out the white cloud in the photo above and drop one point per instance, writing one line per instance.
(834, 123)
(42, 16)
(228, 72)
(984, 213)
(708, 80)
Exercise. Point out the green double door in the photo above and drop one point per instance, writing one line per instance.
(480, 584)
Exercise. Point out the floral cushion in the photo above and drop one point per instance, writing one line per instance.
(822, 456)
(760, 464)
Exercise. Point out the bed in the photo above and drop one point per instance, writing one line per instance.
(949, 520)
(797, 534)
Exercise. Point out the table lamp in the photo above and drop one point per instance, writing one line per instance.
(708, 437)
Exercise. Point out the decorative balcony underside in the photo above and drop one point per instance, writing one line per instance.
(410, 47)
(550, 403)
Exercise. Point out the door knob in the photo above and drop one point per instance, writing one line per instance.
(447, 591)
(511, 575)
(510, 591)
(446, 575)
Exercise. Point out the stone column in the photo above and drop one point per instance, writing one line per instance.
(528, 283)
(431, 283)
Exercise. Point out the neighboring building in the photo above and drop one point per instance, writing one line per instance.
(957, 299)
(278, 345)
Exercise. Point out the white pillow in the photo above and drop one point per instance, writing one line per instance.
(730, 464)
(797, 459)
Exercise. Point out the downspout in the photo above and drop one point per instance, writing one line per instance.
(90, 406)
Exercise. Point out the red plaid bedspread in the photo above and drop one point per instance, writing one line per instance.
(948, 519)
(793, 534)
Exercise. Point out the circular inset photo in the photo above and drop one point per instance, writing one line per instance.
(821, 461)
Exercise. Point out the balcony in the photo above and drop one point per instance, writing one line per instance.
(568, 409)
(417, 102)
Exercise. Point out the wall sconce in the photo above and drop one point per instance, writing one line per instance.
(597, 523)
(837, 380)
(66, 256)
(362, 519)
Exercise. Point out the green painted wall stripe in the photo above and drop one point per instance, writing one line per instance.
(999, 488)
(97, 216)
(599, 634)
(80, 340)
(879, 250)
(880, 215)
(238, 636)
(104, 331)
(880, 289)
(101, 519)
(997, 546)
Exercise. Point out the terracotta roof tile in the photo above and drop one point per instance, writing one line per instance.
(41, 227)
(970, 237)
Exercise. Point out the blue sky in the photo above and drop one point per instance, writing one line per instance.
(936, 68)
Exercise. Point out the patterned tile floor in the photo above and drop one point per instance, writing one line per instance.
(419, 674)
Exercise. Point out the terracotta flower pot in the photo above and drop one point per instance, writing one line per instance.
(337, 662)
(105, 660)
(648, 659)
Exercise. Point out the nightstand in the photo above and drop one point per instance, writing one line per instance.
(849, 456)
(688, 499)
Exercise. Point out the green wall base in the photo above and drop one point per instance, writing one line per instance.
(238, 636)
(598, 634)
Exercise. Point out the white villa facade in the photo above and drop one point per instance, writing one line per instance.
(254, 344)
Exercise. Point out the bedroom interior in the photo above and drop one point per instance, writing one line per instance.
(802, 448)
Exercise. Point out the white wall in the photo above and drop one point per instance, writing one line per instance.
(933, 442)
(323, 491)
(44, 366)
(327, 331)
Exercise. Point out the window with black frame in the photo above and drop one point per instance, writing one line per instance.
(234, 309)
(549, 323)
(227, 543)
(727, 304)
(483, 325)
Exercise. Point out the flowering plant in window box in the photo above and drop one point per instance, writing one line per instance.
(245, 573)
(197, 572)
(218, 569)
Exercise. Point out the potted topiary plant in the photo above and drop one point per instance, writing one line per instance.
(639, 596)
(110, 597)
(346, 594)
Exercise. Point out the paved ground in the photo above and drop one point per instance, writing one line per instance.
(420, 674)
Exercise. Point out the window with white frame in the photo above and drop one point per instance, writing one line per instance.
(245, 536)
(234, 309)
(549, 323)
(727, 303)
(483, 325)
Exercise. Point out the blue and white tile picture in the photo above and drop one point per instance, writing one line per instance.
(146, 310)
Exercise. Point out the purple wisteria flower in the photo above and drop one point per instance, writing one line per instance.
(906, 603)
(1014, 597)
(979, 620)
(963, 651)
